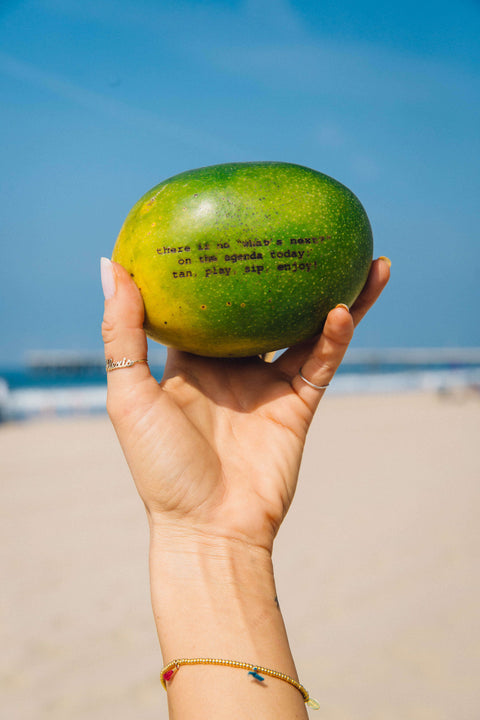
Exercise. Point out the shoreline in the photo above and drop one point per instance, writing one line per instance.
(23, 403)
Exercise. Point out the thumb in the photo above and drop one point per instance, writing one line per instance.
(122, 329)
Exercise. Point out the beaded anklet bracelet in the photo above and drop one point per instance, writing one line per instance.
(169, 670)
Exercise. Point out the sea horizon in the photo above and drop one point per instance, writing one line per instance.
(65, 383)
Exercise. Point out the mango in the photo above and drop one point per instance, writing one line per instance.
(240, 259)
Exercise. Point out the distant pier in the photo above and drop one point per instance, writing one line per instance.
(414, 356)
(66, 363)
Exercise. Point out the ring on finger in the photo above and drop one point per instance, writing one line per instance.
(309, 382)
(111, 364)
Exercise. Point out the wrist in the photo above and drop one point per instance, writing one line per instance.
(214, 597)
(178, 539)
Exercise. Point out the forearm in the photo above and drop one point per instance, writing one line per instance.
(217, 599)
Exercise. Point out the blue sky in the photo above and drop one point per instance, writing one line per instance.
(102, 100)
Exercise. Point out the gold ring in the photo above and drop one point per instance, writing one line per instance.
(111, 365)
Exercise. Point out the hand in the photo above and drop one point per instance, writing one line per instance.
(215, 448)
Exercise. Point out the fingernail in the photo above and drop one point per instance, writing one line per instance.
(385, 259)
(342, 305)
(108, 278)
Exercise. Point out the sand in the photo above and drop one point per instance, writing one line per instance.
(377, 567)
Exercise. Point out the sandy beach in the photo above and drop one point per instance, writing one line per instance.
(377, 567)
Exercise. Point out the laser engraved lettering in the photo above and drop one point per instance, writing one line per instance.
(213, 266)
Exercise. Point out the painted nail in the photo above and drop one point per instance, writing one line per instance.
(385, 259)
(342, 305)
(108, 279)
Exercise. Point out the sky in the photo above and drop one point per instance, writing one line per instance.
(101, 100)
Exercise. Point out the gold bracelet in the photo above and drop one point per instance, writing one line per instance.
(254, 670)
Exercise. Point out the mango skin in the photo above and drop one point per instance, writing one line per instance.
(240, 259)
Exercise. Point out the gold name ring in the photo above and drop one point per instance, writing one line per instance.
(111, 365)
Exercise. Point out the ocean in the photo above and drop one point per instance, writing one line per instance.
(65, 384)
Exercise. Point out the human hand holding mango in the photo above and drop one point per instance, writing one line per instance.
(215, 450)
(216, 446)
